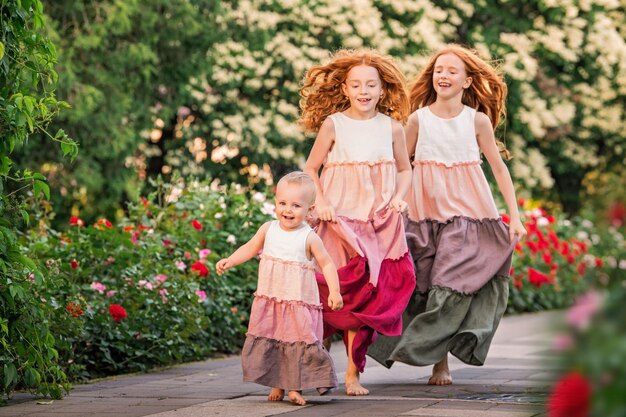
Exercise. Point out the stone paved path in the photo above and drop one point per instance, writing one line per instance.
(512, 383)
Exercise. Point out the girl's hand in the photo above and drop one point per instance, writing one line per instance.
(325, 212)
(516, 229)
(222, 265)
(335, 302)
(399, 204)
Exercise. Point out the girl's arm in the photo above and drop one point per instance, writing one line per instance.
(317, 249)
(488, 146)
(402, 165)
(245, 252)
(323, 143)
(411, 130)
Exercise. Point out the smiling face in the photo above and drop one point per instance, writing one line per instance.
(449, 76)
(363, 88)
(293, 203)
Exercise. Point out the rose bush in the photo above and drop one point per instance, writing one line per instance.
(591, 345)
(129, 296)
(556, 261)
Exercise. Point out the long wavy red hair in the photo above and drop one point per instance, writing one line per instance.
(487, 92)
(321, 93)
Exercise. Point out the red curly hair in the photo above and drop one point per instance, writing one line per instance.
(487, 92)
(321, 93)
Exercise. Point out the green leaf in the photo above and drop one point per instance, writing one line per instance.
(5, 165)
(25, 261)
(10, 374)
(29, 120)
(18, 101)
(25, 216)
(41, 187)
(29, 102)
(32, 377)
(1, 50)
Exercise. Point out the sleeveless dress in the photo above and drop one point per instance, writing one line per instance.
(283, 346)
(367, 242)
(460, 247)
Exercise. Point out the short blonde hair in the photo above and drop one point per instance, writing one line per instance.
(299, 177)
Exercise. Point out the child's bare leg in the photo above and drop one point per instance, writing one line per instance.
(276, 394)
(441, 373)
(296, 397)
(327, 342)
(353, 386)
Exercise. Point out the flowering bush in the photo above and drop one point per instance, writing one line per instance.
(142, 293)
(555, 262)
(592, 344)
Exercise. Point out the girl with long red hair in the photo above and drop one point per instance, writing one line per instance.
(356, 103)
(460, 245)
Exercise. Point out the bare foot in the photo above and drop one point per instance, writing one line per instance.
(296, 398)
(276, 394)
(441, 374)
(354, 387)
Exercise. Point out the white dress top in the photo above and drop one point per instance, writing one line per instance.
(288, 246)
(361, 140)
(449, 141)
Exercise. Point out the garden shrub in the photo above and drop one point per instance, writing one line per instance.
(555, 262)
(142, 293)
(591, 344)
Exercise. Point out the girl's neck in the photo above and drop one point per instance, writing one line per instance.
(446, 108)
(352, 113)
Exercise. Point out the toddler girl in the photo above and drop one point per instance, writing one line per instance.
(283, 348)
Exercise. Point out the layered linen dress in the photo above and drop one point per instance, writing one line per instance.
(460, 247)
(367, 242)
(283, 346)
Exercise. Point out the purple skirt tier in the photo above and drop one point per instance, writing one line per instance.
(288, 365)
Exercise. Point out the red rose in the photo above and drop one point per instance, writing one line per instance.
(599, 263)
(74, 264)
(554, 239)
(102, 223)
(570, 397)
(547, 258)
(532, 246)
(105, 222)
(117, 312)
(196, 224)
(617, 214)
(581, 245)
(537, 278)
(200, 268)
(505, 218)
(74, 309)
(75, 221)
